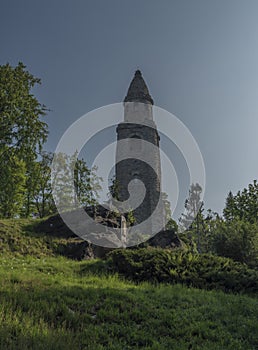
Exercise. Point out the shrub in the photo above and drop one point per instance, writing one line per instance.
(197, 270)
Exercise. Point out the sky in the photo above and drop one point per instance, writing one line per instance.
(198, 58)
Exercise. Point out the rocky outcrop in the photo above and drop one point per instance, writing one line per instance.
(104, 241)
(165, 239)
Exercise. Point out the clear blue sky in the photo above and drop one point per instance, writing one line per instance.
(199, 59)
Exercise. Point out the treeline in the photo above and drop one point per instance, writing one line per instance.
(25, 168)
(233, 235)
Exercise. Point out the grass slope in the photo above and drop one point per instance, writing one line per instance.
(22, 237)
(49, 302)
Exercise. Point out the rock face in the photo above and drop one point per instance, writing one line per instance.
(104, 239)
(82, 250)
(79, 249)
(165, 239)
(101, 215)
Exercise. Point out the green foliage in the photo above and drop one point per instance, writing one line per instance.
(193, 206)
(22, 135)
(196, 270)
(236, 239)
(237, 236)
(12, 184)
(201, 240)
(244, 205)
(20, 112)
(167, 206)
(230, 210)
(61, 172)
(130, 218)
(87, 184)
(194, 225)
(42, 195)
(38, 197)
(172, 225)
(114, 189)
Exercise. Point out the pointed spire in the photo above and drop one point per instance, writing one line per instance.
(138, 91)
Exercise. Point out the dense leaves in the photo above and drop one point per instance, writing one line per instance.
(244, 205)
(197, 270)
(22, 135)
(237, 240)
(12, 185)
(20, 112)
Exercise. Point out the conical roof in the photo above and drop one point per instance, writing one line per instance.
(138, 91)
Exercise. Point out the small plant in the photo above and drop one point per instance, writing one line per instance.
(130, 218)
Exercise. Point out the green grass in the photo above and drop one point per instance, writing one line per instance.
(56, 303)
(50, 302)
(20, 237)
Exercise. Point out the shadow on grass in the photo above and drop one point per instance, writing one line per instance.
(51, 226)
(96, 267)
(103, 314)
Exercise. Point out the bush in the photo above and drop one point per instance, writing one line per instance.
(237, 240)
(197, 270)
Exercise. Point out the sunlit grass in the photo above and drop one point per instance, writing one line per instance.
(54, 303)
(50, 302)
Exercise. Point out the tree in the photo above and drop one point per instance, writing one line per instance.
(236, 239)
(42, 192)
(87, 183)
(170, 223)
(166, 205)
(12, 185)
(230, 210)
(22, 132)
(86, 187)
(61, 171)
(244, 205)
(21, 127)
(193, 205)
(192, 221)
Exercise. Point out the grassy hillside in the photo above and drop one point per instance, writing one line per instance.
(25, 237)
(50, 302)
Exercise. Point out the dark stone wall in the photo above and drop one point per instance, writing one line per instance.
(133, 168)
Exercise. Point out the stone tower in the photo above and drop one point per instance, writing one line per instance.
(140, 141)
